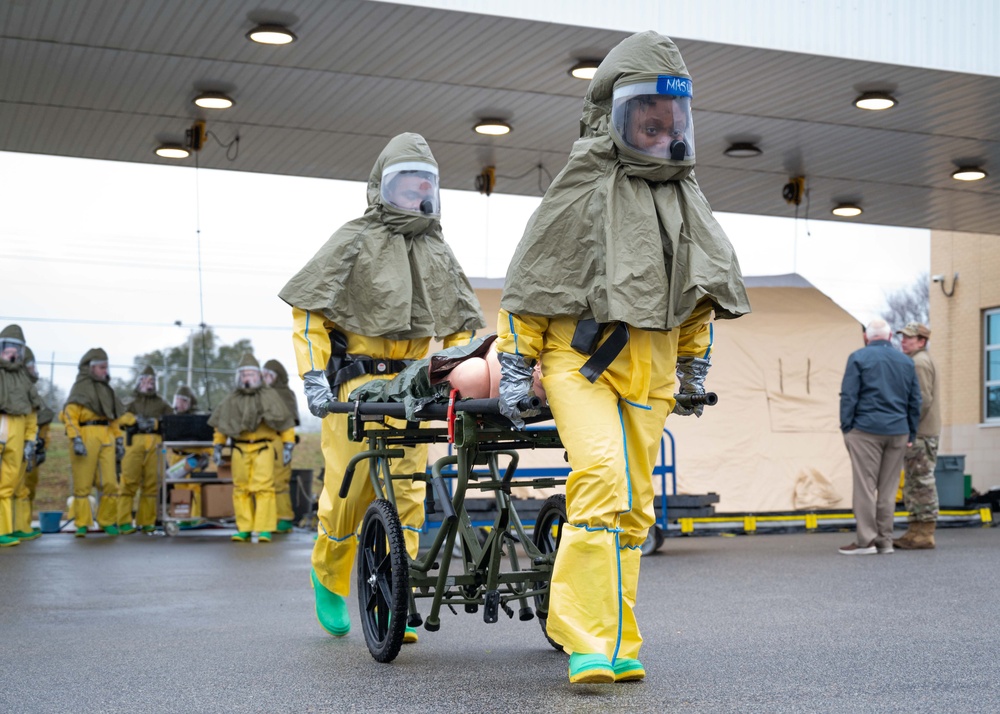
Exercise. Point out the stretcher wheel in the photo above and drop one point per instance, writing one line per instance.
(548, 531)
(383, 581)
(653, 542)
(171, 528)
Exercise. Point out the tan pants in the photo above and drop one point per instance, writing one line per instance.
(876, 461)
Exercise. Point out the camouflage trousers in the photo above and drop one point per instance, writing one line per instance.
(919, 489)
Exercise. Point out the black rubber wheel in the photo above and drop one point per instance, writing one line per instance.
(653, 542)
(383, 581)
(548, 532)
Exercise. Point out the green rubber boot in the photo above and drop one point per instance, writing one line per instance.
(410, 635)
(148, 529)
(126, 529)
(21, 535)
(629, 670)
(331, 609)
(111, 530)
(81, 532)
(264, 537)
(8, 541)
(241, 537)
(590, 669)
(285, 527)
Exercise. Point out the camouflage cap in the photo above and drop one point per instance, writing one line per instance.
(915, 329)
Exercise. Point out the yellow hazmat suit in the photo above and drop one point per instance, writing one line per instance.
(19, 405)
(140, 465)
(24, 494)
(366, 303)
(623, 251)
(276, 377)
(91, 416)
(254, 417)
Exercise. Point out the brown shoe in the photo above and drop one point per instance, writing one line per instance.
(855, 549)
(923, 536)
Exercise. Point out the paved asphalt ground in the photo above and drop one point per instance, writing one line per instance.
(771, 623)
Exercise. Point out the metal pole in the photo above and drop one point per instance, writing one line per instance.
(190, 357)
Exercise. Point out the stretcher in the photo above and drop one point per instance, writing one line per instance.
(394, 590)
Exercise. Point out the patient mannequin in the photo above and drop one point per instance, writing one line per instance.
(479, 378)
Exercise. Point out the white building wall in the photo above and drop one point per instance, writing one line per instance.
(957, 36)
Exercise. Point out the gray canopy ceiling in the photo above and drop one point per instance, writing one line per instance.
(111, 79)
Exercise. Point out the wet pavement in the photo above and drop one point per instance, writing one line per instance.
(777, 623)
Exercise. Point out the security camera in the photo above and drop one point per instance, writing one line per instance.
(937, 278)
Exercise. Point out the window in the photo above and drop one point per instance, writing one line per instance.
(991, 361)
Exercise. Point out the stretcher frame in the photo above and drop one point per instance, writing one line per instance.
(390, 583)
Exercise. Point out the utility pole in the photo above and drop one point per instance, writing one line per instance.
(190, 358)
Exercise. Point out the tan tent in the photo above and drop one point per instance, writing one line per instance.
(773, 442)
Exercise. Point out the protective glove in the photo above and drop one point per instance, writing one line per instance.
(318, 394)
(217, 454)
(146, 424)
(119, 449)
(78, 448)
(515, 385)
(29, 455)
(691, 373)
(286, 454)
(39, 451)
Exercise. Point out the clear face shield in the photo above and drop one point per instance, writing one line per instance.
(99, 370)
(31, 368)
(248, 377)
(181, 404)
(146, 384)
(654, 118)
(412, 186)
(11, 350)
(269, 376)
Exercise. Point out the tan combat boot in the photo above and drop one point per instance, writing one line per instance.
(905, 542)
(923, 536)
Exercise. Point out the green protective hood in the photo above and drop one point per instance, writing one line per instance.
(148, 405)
(18, 395)
(45, 415)
(389, 273)
(424, 381)
(185, 391)
(244, 410)
(95, 395)
(619, 236)
(280, 385)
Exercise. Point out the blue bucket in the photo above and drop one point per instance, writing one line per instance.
(48, 521)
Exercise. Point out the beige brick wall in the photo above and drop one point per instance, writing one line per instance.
(957, 346)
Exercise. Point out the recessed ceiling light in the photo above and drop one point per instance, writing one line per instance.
(742, 150)
(213, 100)
(875, 101)
(271, 35)
(584, 69)
(492, 127)
(969, 173)
(172, 151)
(846, 210)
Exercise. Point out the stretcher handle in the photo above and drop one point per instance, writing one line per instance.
(708, 399)
(486, 407)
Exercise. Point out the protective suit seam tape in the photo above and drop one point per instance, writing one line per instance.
(411, 528)
(618, 563)
(513, 333)
(637, 405)
(711, 339)
(312, 365)
(628, 472)
(594, 529)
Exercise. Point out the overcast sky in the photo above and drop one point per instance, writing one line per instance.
(84, 240)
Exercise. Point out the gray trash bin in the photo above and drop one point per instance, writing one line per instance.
(949, 475)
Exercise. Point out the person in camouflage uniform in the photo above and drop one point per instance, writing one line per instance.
(919, 488)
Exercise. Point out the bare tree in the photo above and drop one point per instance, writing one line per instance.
(909, 304)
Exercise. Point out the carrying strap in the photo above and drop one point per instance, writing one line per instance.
(606, 353)
(344, 367)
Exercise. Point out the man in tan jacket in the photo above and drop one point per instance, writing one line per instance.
(919, 488)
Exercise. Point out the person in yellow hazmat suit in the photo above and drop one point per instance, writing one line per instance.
(363, 308)
(276, 378)
(19, 405)
(24, 495)
(140, 465)
(91, 417)
(254, 418)
(612, 288)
